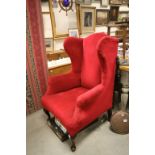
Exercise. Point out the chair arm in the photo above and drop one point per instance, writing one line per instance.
(62, 82)
(86, 98)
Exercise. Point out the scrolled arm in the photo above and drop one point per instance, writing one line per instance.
(85, 99)
(107, 50)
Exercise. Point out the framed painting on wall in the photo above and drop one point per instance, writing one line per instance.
(113, 15)
(87, 19)
(60, 27)
(102, 17)
(73, 32)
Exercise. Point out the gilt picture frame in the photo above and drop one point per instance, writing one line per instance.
(73, 32)
(102, 17)
(59, 27)
(87, 19)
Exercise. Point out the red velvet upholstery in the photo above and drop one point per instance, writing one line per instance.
(91, 70)
(79, 97)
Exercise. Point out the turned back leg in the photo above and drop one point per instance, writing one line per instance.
(109, 114)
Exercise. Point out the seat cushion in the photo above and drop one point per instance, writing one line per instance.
(62, 105)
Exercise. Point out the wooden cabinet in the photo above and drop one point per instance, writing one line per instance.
(58, 69)
(56, 55)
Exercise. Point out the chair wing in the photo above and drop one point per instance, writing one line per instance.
(74, 48)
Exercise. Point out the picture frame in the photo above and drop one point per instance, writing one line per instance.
(123, 16)
(102, 17)
(73, 32)
(87, 19)
(113, 14)
(115, 2)
(59, 27)
(104, 3)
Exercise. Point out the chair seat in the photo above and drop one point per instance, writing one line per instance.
(62, 105)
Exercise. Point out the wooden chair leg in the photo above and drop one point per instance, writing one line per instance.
(73, 146)
(109, 114)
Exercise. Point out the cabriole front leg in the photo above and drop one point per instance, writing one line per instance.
(73, 146)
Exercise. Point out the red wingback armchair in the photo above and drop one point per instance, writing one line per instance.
(76, 99)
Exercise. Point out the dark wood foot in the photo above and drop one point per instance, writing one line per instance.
(73, 146)
(109, 114)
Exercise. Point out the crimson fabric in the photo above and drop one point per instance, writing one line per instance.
(79, 97)
(74, 48)
(63, 82)
(62, 105)
(91, 70)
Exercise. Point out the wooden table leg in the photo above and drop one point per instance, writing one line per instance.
(118, 85)
(108, 31)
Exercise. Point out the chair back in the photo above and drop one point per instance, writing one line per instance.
(91, 68)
